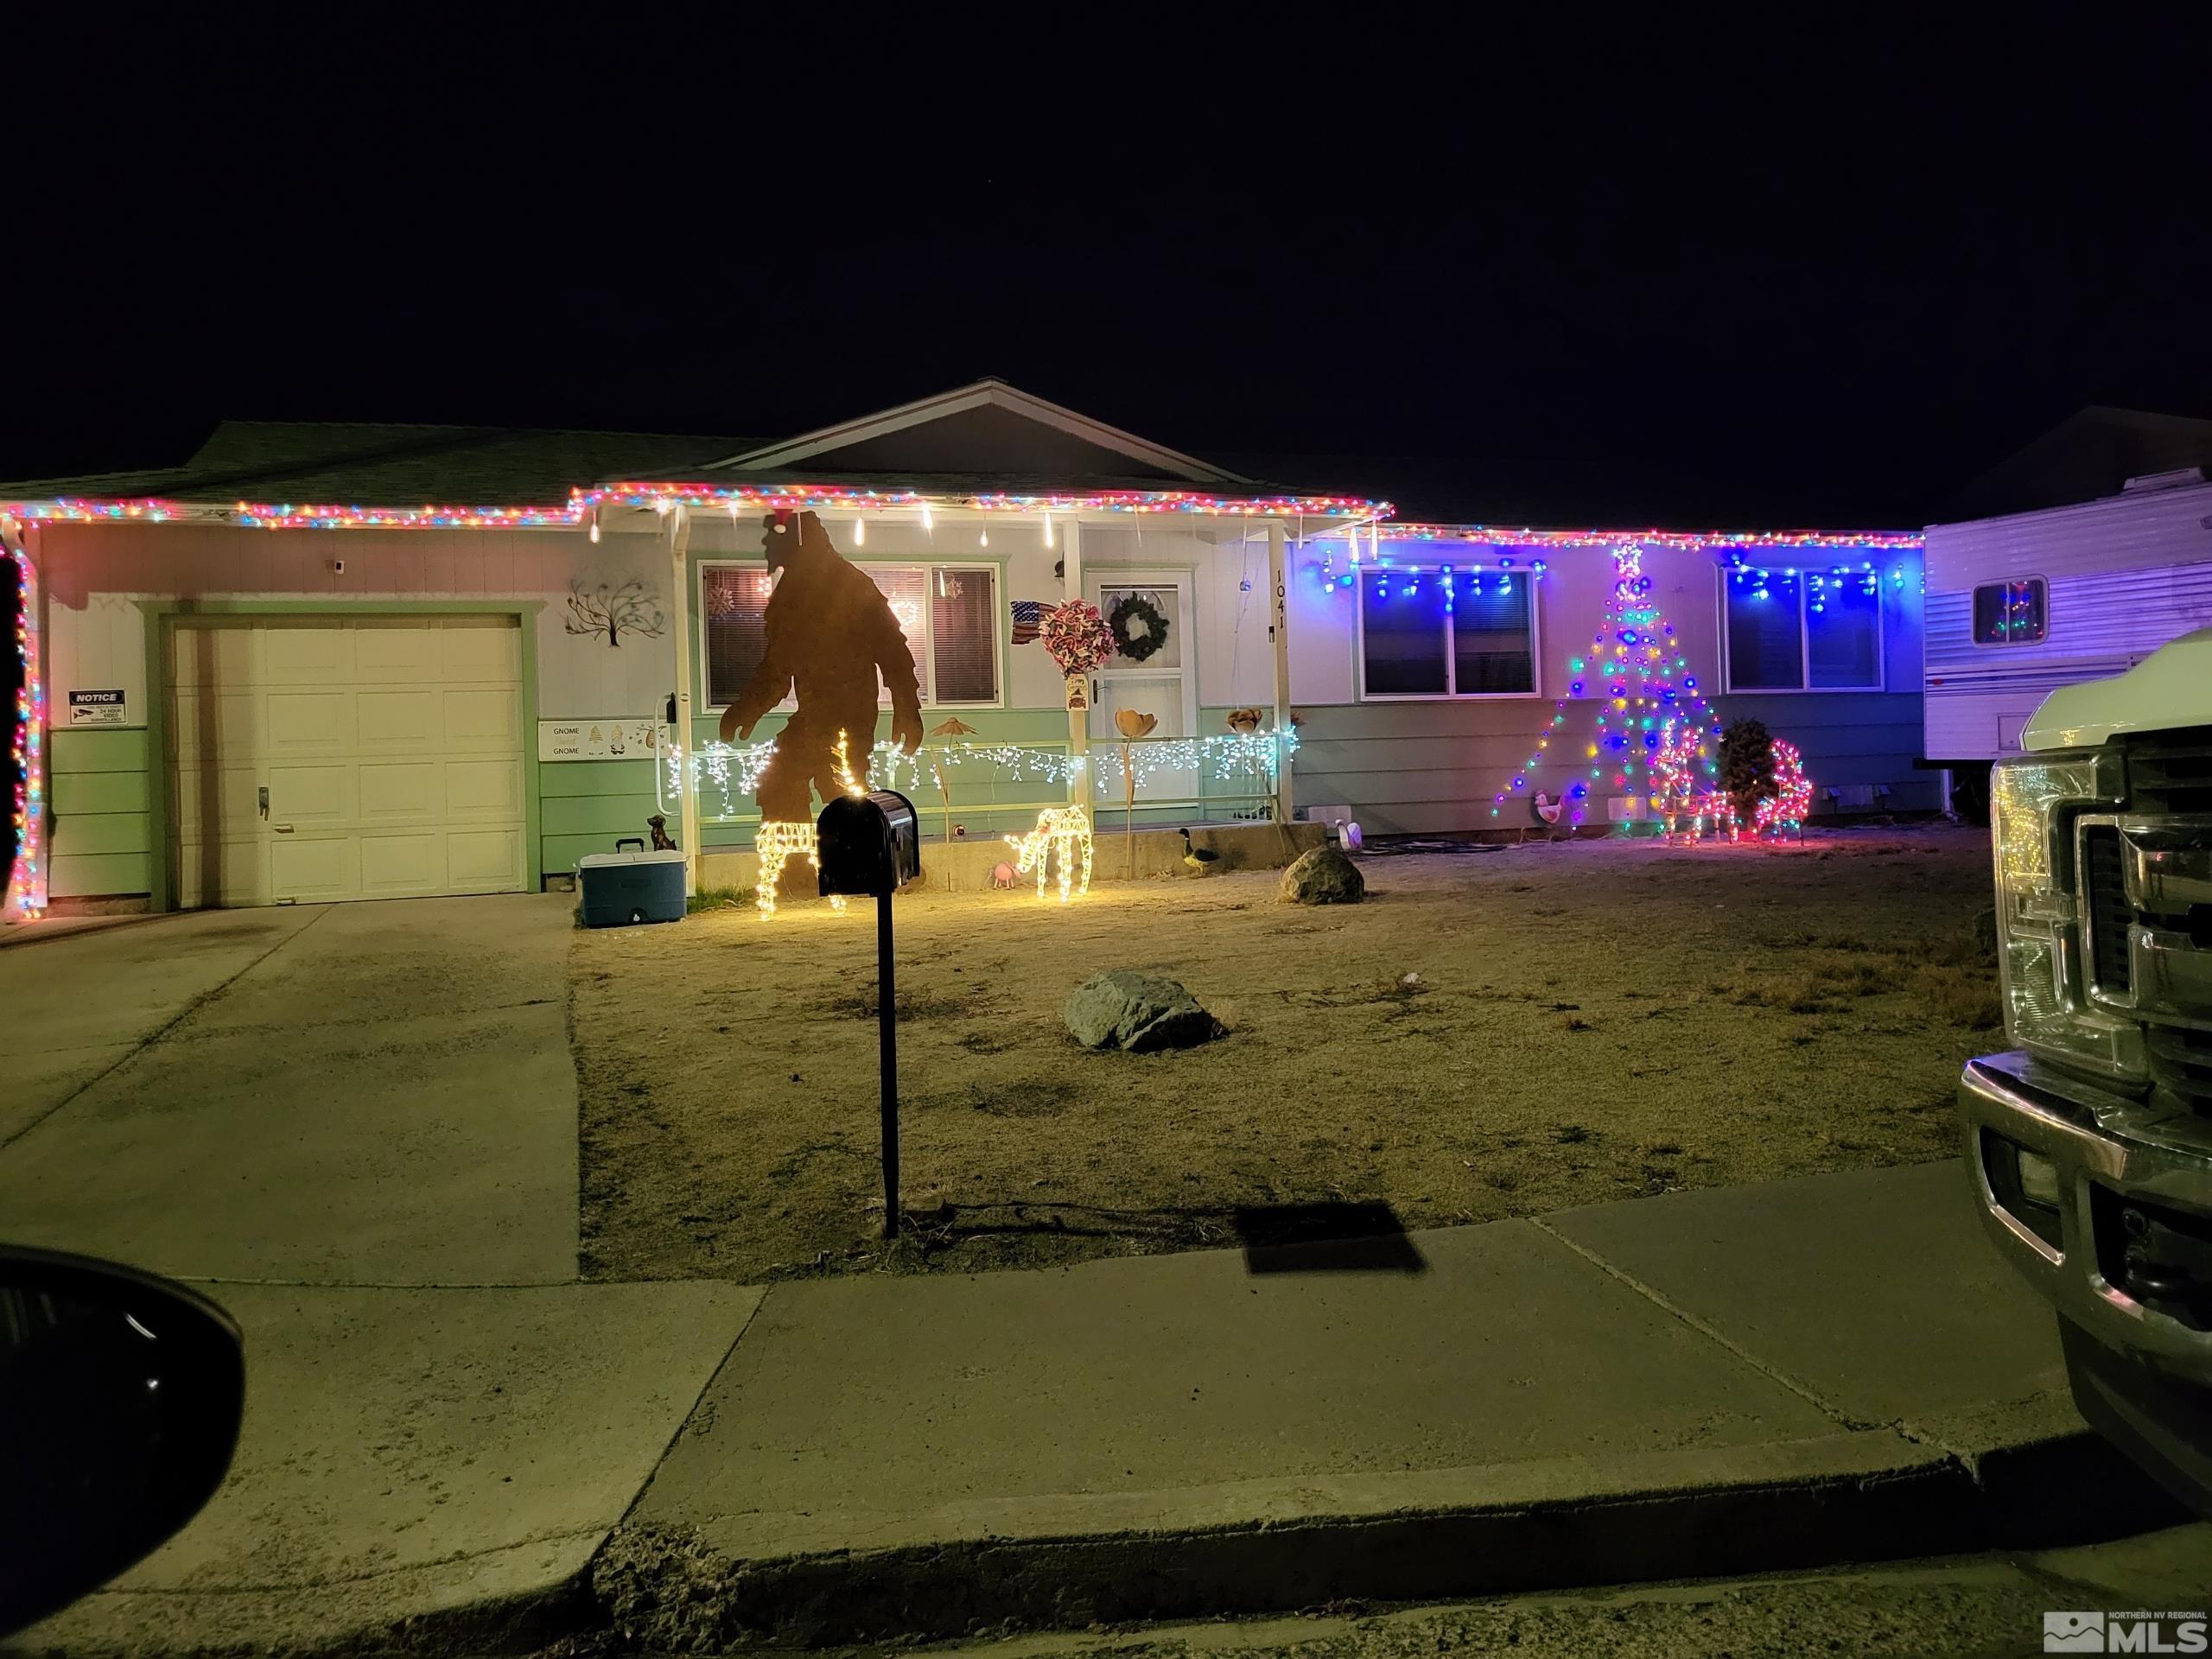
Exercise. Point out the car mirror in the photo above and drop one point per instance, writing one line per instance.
(121, 1395)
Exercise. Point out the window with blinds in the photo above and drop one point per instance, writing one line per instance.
(964, 634)
(949, 614)
(733, 617)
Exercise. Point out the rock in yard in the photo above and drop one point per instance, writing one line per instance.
(1137, 1012)
(1324, 876)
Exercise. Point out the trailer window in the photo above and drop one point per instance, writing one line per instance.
(2010, 612)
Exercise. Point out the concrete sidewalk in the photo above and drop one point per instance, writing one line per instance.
(1816, 1371)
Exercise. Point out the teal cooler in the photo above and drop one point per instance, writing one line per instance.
(616, 889)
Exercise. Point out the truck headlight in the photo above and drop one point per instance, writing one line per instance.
(2032, 803)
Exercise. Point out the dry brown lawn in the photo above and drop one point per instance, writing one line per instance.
(1492, 1034)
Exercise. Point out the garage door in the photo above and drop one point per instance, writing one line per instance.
(325, 757)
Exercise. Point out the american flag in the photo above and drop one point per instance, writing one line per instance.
(1028, 619)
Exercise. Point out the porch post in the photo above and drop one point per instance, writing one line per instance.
(1278, 632)
(1079, 718)
(679, 550)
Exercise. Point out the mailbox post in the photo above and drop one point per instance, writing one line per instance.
(871, 844)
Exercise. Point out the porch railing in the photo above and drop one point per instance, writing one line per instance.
(992, 786)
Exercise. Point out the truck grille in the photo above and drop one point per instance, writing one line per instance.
(2144, 880)
(2181, 1059)
(2169, 775)
(2109, 915)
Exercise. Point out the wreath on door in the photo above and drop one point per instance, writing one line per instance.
(1131, 612)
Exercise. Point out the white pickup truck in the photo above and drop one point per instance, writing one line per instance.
(2090, 1144)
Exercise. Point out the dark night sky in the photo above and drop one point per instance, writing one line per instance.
(1638, 278)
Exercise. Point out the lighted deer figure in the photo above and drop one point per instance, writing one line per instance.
(1063, 832)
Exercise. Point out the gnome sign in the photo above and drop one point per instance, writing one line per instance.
(830, 633)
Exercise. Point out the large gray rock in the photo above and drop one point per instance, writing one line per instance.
(1324, 876)
(1137, 1012)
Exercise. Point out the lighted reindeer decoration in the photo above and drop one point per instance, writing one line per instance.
(1062, 833)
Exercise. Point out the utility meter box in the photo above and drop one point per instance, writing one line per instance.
(869, 843)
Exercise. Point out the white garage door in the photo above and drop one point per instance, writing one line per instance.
(327, 757)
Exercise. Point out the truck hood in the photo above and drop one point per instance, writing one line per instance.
(2168, 690)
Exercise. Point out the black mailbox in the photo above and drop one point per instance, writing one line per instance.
(869, 843)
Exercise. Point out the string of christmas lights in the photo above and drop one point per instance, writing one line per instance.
(584, 506)
(1382, 568)
(27, 890)
(734, 769)
(1633, 658)
(1062, 838)
(1786, 809)
(1676, 797)
(1699, 541)
(1821, 584)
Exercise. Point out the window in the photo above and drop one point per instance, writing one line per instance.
(949, 614)
(2010, 612)
(1427, 634)
(733, 618)
(1810, 631)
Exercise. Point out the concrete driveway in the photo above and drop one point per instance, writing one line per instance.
(364, 1093)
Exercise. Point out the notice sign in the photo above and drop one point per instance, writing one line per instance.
(597, 739)
(99, 708)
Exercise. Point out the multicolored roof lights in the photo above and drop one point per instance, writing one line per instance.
(259, 515)
(1729, 541)
(80, 510)
(662, 496)
(584, 504)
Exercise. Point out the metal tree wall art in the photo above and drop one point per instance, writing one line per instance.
(613, 611)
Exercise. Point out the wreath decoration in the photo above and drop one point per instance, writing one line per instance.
(1076, 636)
(1136, 608)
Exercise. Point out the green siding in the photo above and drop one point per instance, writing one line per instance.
(103, 829)
(120, 749)
(595, 777)
(583, 805)
(100, 832)
(99, 792)
(99, 875)
(595, 815)
(562, 852)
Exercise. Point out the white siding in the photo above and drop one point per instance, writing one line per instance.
(2124, 575)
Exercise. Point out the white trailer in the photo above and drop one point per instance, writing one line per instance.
(2019, 606)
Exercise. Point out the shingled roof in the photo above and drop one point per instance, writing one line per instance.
(398, 465)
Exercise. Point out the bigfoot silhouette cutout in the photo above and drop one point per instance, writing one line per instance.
(830, 632)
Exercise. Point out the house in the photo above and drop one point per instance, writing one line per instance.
(273, 674)
(2092, 453)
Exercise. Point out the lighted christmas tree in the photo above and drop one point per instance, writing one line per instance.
(1652, 722)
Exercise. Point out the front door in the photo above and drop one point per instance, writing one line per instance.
(1163, 683)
